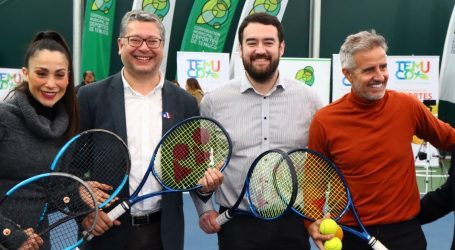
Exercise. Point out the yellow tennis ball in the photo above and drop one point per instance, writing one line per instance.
(339, 233)
(328, 226)
(333, 244)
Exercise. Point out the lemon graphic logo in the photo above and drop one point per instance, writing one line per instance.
(102, 6)
(306, 75)
(157, 7)
(214, 13)
(271, 7)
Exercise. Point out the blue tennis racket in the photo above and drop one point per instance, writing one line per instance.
(323, 189)
(99, 157)
(66, 199)
(181, 158)
(270, 188)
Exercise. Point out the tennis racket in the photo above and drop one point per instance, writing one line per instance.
(99, 157)
(181, 158)
(270, 188)
(67, 200)
(322, 189)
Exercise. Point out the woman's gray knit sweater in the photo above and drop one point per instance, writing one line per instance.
(28, 143)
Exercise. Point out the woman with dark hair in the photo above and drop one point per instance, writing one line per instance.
(37, 117)
(193, 87)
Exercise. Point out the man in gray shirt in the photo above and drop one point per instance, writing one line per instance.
(262, 110)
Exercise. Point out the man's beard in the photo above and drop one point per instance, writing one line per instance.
(260, 76)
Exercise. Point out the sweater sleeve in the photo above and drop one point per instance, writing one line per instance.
(11, 236)
(430, 128)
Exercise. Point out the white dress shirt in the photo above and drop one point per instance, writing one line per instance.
(143, 115)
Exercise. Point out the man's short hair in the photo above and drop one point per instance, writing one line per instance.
(361, 41)
(262, 18)
(141, 16)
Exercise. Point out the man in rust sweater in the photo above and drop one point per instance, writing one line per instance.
(367, 133)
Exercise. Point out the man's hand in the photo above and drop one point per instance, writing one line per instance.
(101, 191)
(318, 238)
(212, 179)
(33, 242)
(102, 225)
(207, 222)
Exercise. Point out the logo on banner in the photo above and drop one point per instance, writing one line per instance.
(412, 70)
(102, 5)
(203, 68)
(99, 23)
(214, 13)
(271, 7)
(306, 75)
(9, 80)
(157, 7)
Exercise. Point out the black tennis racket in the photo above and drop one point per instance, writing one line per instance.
(53, 205)
(181, 158)
(270, 188)
(323, 189)
(99, 157)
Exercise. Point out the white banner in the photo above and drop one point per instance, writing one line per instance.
(255, 6)
(448, 63)
(314, 72)
(447, 79)
(165, 11)
(9, 78)
(416, 75)
(210, 69)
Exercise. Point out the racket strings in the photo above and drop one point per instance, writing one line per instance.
(321, 190)
(98, 157)
(68, 206)
(188, 151)
(270, 187)
(53, 206)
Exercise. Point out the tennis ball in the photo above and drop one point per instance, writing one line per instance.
(333, 244)
(328, 226)
(339, 233)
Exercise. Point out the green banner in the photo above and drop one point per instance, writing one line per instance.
(208, 25)
(97, 37)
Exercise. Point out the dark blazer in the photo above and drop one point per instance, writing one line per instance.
(441, 201)
(102, 105)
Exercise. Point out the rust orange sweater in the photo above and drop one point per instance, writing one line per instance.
(371, 144)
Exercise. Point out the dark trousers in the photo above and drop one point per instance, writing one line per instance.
(140, 236)
(145, 237)
(248, 233)
(403, 235)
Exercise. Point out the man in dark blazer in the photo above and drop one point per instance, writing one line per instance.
(140, 106)
(440, 202)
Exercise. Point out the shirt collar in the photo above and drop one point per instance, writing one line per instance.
(246, 85)
(126, 85)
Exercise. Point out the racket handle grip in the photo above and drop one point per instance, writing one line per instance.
(223, 218)
(376, 244)
(87, 236)
(113, 215)
(118, 210)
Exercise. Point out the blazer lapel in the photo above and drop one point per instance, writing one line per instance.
(168, 107)
(116, 101)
